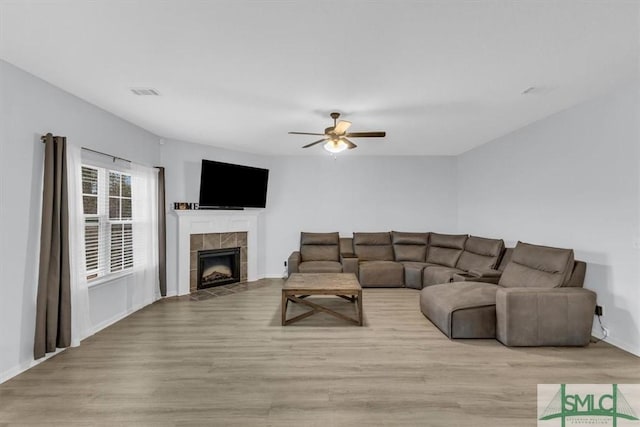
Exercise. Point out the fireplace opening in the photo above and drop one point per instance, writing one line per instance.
(218, 267)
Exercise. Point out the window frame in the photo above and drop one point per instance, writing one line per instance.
(104, 271)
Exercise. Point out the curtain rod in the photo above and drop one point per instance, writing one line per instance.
(42, 138)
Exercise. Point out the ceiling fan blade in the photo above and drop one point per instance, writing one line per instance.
(314, 143)
(350, 145)
(341, 127)
(304, 133)
(366, 134)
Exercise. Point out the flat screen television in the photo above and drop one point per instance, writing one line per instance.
(231, 186)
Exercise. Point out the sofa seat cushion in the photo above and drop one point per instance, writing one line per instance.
(413, 274)
(461, 309)
(320, 267)
(435, 275)
(381, 274)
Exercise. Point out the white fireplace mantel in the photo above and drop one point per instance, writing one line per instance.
(214, 221)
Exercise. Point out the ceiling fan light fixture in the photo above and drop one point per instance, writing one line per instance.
(335, 146)
(336, 138)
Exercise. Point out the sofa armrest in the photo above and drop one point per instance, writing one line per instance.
(544, 316)
(349, 263)
(293, 262)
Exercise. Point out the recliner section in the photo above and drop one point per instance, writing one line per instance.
(471, 253)
(376, 263)
(445, 249)
(538, 301)
(319, 253)
(410, 249)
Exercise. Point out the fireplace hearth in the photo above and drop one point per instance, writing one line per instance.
(218, 267)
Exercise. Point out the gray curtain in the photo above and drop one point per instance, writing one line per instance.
(162, 234)
(53, 302)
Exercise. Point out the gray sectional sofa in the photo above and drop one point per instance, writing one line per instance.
(471, 287)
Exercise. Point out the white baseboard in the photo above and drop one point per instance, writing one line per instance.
(596, 332)
(624, 346)
(17, 370)
(105, 324)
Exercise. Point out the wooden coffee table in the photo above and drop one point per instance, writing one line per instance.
(301, 285)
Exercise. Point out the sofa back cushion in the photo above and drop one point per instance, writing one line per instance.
(319, 246)
(480, 253)
(506, 257)
(538, 266)
(373, 246)
(346, 245)
(409, 246)
(577, 275)
(445, 249)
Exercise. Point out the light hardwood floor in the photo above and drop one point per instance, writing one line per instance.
(227, 361)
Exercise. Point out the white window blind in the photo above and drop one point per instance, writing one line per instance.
(108, 221)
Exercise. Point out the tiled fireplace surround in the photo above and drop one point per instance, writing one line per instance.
(206, 241)
(232, 227)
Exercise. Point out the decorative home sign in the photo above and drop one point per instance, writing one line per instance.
(183, 206)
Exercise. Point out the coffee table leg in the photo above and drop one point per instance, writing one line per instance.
(285, 299)
(360, 307)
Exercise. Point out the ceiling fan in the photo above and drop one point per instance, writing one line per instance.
(336, 136)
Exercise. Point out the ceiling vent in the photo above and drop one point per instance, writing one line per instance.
(145, 91)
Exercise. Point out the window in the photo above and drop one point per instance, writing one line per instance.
(108, 226)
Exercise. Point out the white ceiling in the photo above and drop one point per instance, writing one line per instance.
(440, 77)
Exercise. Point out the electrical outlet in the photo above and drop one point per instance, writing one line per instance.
(598, 310)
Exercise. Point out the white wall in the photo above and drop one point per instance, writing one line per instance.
(30, 107)
(570, 180)
(182, 161)
(354, 193)
(319, 193)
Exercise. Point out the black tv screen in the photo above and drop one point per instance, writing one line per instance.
(229, 186)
